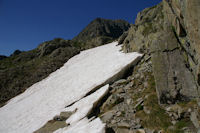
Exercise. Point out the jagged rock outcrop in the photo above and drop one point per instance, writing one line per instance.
(141, 35)
(100, 31)
(169, 32)
(16, 52)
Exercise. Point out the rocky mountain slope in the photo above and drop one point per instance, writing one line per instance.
(19, 71)
(100, 31)
(23, 69)
(2, 57)
(161, 93)
(164, 32)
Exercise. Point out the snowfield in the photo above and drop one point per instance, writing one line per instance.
(86, 71)
(85, 126)
(84, 106)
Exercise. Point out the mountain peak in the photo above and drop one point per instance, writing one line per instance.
(101, 31)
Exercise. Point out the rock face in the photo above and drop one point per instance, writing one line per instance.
(162, 93)
(174, 82)
(169, 32)
(141, 34)
(100, 31)
(133, 106)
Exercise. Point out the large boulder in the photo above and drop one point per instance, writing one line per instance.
(48, 47)
(140, 35)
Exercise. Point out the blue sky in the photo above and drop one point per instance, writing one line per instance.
(24, 24)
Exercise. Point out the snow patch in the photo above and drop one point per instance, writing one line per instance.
(42, 101)
(85, 126)
(83, 107)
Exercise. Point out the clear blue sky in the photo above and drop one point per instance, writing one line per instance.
(24, 24)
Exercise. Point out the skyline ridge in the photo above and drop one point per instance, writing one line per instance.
(26, 24)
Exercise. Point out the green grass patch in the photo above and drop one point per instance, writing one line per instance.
(178, 127)
(139, 107)
(182, 123)
(158, 119)
(186, 104)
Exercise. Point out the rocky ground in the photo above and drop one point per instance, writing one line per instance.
(168, 34)
(133, 107)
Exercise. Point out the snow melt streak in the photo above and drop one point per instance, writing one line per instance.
(47, 98)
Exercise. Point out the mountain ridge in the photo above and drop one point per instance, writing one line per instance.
(100, 31)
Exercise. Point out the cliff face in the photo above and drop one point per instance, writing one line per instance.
(162, 93)
(184, 18)
(169, 34)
